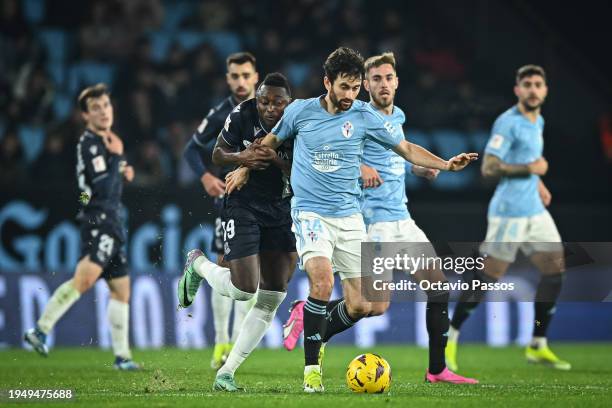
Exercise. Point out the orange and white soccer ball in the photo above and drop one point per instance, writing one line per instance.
(369, 373)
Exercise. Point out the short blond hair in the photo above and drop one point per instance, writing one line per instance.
(378, 60)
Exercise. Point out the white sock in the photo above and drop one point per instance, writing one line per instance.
(255, 325)
(63, 297)
(221, 309)
(539, 342)
(241, 309)
(453, 334)
(119, 316)
(220, 279)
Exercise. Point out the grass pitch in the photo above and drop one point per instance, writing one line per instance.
(182, 378)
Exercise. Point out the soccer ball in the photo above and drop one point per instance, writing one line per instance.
(369, 373)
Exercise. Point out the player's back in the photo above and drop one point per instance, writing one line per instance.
(386, 202)
(327, 154)
(516, 140)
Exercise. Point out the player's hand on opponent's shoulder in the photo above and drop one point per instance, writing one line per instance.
(425, 172)
(460, 161)
(113, 143)
(370, 177)
(213, 185)
(256, 156)
(236, 179)
(539, 167)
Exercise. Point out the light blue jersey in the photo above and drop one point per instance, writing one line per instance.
(388, 201)
(516, 140)
(327, 153)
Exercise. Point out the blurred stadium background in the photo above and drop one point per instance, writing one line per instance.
(164, 61)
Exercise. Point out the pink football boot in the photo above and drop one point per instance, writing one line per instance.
(294, 325)
(448, 376)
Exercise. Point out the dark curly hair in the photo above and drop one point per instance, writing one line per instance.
(276, 79)
(344, 61)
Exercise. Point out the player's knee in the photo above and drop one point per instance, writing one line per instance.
(321, 289)
(378, 308)
(241, 294)
(358, 310)
(438, 296)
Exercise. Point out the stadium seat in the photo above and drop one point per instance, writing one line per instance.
(224, 42)
(62, 106)
(419, 137)
(297, 72)
(55, 43)
(89, 73)
(478, 140)
(57, 72)
(160, 43)
(175, 13)
(32, 139)
(447, 144)
(33, 11)
(190, 39)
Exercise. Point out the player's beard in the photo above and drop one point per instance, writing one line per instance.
(529, 107)
(382, 103)
(337, 103)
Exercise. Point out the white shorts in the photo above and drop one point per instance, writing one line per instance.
(506, 235)
(402, 231)
(337, 239)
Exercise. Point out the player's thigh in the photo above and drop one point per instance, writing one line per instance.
(86, 274)
(504, 238)
(119, 288)
(245, 273)
(277, 268)
(314, 236)
(241, 232)
(543, 246)
(346, 258)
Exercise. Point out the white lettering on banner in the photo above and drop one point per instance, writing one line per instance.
(171, 216)
(366, 329)
(189, 323)
(101, 299)
(274, 335)
(147, 313)
(33, 296)
(420, 325)
(68, 236)
(3, 344)
(499, 316)
(27, 217)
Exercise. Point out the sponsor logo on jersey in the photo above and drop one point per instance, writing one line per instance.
(99, 164)
(326, 160)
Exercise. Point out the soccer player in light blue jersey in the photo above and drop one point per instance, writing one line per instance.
(329, 133)
(518, 215)
(387, 218)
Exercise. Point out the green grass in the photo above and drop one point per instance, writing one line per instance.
(181, 378)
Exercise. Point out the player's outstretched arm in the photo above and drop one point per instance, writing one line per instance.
(416, 154)
(425, 172)
(493, 166)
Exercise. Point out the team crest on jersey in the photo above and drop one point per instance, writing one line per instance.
(94, 150)
(347, 129)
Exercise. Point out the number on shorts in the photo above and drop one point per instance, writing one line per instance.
(228, 229)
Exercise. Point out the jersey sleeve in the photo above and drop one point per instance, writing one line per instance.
(232, 129)
(380, 130)
(286, 127)
(502, 137)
